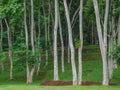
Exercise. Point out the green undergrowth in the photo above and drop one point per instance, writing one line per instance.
(92, 71)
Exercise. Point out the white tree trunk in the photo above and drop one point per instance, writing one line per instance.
(30, 73)
(118, 40)
(56, 76)
(46, 36)
(1, 48)
(39, 57)
(110, 59)
(102, 45)
(114, 39)
(71, 44)
(10, 50)
(68, 53)
(105, 25)
(62, 45)
(81, 45)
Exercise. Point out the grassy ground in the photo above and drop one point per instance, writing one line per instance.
(34, 87)
(92, 71)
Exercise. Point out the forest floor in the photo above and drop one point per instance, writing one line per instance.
(92, 75)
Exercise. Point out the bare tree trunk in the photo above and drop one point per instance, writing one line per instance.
(62, 44)
(92, 33)
(71, 44)
(110, 59)
(1, 48)
(32, 42)
(68, 53)
(26, 37)
(39, 47)
(10, 50)
(56, 77)
(118, 40)
(49, 39)
(81, 45)
(30, 73)
(46, 36)
(102, 45)
(114, 38)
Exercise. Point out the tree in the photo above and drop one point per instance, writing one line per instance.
(81, 45)
(62, 44)
(10, 50)
(1, 47)
(74, 73)
(56, 77)
(102, 44)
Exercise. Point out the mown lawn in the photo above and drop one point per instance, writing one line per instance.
(92, 71)
(35, 87)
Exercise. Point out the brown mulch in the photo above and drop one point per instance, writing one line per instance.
(68, 83)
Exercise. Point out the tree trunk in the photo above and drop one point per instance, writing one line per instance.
(81, 45)
(71, 44)
(10, 50)
(30, 73)
(110, 59)
(39, 46)
(68, 53)
(62, 44)
(102, 45)
(118, 40)
(56, 77)
(46, 37)
(114, 38)
(1, 47)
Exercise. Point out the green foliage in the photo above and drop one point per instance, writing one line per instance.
(77, 43)
(13, 9)
(2, 56)
(116, 53)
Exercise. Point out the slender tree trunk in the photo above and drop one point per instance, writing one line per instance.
(49, 38)
(114, 38)
(102, 45)
(68, 53)
(1, 47)
(71, 44)
(62, 44)
(81, 45)
(32, 41)
(39, 47)
(26, 41)
(118, 40)
(110, 59)
(56, 77)
(46, 36)
(92, 33)
(30, 73)
(10, 50)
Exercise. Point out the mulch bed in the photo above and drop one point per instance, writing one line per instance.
(68, 83)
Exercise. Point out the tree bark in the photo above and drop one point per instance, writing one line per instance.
(10, 50)
(81, 45)
(118, 40)
(1, 47)
(102, 45)
(62, 44)
(46, 36)
(56, 76)
(71, 44)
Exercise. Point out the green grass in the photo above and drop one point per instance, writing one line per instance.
(92, 71)
(35, 87)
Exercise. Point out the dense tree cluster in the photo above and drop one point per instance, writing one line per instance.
(31, 30)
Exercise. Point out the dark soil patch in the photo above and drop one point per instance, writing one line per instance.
(56, 83)
(68, 83)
